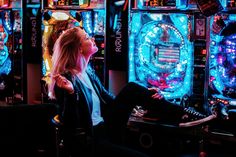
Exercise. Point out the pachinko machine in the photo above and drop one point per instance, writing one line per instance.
(161, 52)
(222, 64)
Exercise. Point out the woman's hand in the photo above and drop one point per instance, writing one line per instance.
(62, 82)
(157, 94)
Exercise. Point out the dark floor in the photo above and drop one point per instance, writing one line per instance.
(159, 145)
(184, 147)
(26, 130)
(180, 142)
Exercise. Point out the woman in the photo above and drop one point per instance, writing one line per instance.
(91, 116)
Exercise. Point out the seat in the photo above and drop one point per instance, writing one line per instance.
(58, 133)
(63, 150)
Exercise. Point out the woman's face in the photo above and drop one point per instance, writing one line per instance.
(88, 46)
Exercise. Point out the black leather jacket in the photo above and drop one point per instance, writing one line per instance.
(73, 108)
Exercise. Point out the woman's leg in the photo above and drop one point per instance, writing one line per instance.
(134, 94)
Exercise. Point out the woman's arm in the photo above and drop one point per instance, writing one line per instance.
(66, 98)
(63, 83)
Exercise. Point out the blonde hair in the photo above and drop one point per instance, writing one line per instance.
(66, 56)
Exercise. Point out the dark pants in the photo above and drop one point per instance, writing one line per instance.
(131, 95)
(134, 94)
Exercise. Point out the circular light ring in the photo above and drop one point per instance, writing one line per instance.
(222, 46)
(224, 62)
(149, 68)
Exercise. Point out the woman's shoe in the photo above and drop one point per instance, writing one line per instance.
(192, 118)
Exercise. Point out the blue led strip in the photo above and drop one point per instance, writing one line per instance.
(87, 22)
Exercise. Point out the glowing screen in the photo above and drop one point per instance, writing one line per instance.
(160, 52)
(222, 57)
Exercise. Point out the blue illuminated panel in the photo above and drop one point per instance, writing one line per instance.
(160, 52)
(149, 4)
(99, 22)
(5, 31)
(222, 57)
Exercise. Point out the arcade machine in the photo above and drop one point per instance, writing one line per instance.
(17, 65)
(5, 59)
(221, 82)
(161, 48)
(61, 15)
(10, 53)
(161, 54)
(19, 55)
